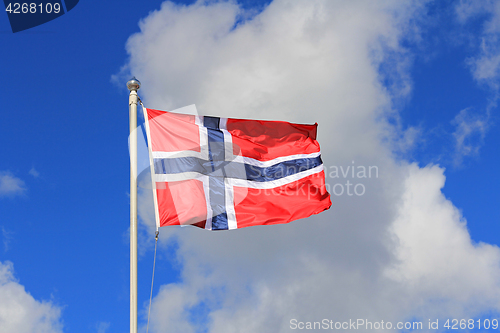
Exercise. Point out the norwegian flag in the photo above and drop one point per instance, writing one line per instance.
(224, 173)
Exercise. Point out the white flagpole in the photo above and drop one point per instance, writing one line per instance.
(133, 85)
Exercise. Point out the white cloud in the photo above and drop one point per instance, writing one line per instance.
(34, 172)
(486, 66)
(374, 256)
(20, 312)
(469, 134)
(435, 252)
(6, 238)
(103, 327)
(10, 185)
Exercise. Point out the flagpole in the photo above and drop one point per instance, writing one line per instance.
(133, 85)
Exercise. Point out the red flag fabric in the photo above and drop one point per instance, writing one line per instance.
(223, 173)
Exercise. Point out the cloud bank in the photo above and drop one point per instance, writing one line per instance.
(401, 251)
(20, 312)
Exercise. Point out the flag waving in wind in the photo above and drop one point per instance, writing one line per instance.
(223, 173)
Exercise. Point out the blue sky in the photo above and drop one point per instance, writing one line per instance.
(64, 169)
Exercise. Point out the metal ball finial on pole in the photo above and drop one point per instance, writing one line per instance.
(133, 85)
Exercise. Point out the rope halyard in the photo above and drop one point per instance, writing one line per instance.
(152, 279)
